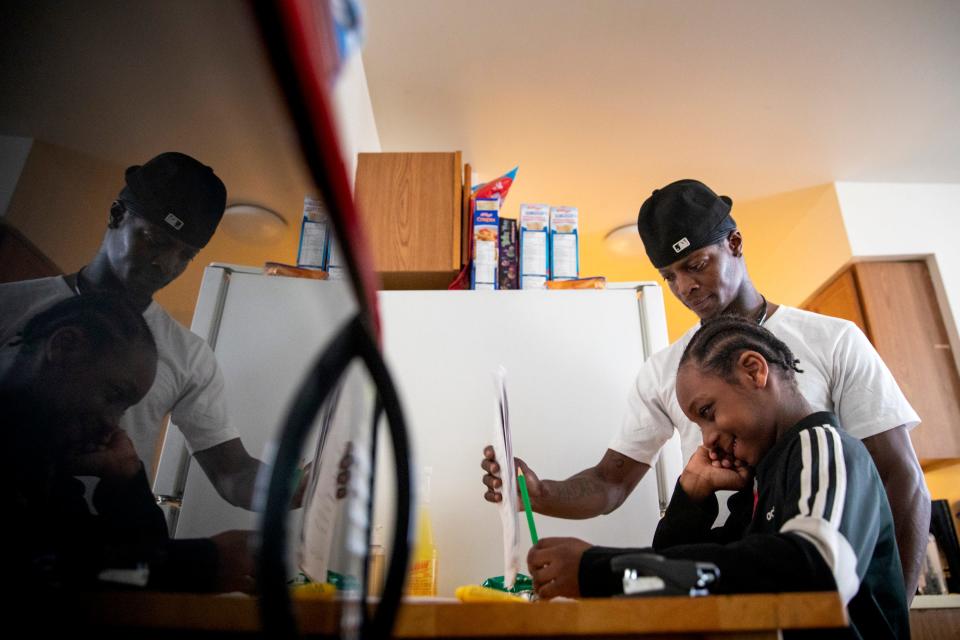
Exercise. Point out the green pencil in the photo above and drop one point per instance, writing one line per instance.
(526, 505)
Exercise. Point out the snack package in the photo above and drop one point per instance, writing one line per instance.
(280, 269)
(486, 228)
(508, 276)
(598, 282)
(534, 248)
(314, 235)
(564, 244)
(497, 187)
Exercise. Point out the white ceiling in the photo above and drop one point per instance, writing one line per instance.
(601, 101)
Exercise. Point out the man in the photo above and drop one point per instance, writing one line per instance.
(693, 241)
(162, 218)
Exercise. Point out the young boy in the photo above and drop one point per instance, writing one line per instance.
(810, 511)
(78, 367)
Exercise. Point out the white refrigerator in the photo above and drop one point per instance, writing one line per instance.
(570, 356)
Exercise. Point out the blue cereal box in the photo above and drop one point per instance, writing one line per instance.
(564, 244)
(534, 248)
(509, 270)
(336, 270)
(486, 223)
(314, 235)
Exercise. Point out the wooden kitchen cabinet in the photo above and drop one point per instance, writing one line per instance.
(895, 304)
(20, 259)
(411, 205)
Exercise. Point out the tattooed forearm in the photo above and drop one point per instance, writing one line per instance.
(594, 491)
(576, 487)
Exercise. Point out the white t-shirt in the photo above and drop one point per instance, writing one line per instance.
(189, 384)
(842, 373)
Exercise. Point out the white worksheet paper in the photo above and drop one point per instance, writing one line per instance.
(503, 447)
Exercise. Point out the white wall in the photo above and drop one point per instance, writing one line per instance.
(351, 102)
(886, 219)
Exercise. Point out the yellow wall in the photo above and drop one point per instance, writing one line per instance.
(793, 242)
(61, 204)
(62, 201)
(943, 481)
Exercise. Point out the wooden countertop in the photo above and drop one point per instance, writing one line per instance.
(754, 616)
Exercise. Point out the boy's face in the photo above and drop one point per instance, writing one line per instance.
(707, 280)
(734, 417)
(143, 256)
(87, 392)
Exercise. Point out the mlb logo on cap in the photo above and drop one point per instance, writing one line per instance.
(680, 245)
(178, 193)
(177, 223)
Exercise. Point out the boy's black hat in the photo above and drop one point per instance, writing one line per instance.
(680, 218)
(180, 194)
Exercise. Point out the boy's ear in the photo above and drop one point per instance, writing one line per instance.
(754, 368)
(67, 346)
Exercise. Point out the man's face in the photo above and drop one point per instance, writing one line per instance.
(707, 280)
(88, 391)
(732, 416)
(143, 256)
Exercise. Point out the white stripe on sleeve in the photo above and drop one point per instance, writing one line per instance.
(805, 479)
(840, 495)
(813, 524)
(823, 474)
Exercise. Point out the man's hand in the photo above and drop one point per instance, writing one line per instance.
(300, 491)
(343, 475)
(710, 471)
(492, 481)
(236, 569)
(343, 478)
(554, 565)
(113, 459)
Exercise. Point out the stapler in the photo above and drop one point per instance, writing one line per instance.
(649, 574)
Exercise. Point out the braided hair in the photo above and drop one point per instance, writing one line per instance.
(107, 320)
(716, 346)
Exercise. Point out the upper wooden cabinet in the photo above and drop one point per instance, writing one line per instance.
(411, 207)
(895, 304)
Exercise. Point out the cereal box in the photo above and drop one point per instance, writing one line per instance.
(335, 266)
(564, 244)
(534, 248)
(314, 235)
(486, 216)
(509, 272)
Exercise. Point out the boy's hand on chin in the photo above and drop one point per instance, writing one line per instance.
(113, 459)
(708, 472)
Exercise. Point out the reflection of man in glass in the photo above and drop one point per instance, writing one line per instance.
(166, 213)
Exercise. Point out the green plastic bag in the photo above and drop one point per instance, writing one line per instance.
(522, 584)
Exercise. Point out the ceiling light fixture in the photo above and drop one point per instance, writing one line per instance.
(624, 241)
(253, 223)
